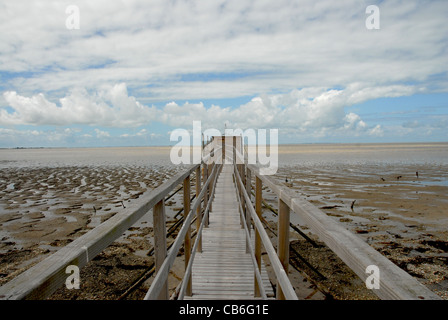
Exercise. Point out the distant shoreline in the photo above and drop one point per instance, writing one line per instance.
(427, 143)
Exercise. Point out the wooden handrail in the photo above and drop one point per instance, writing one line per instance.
(41, 280)
(277, 266)
(395, 283)
(258, 279)
(188, 270)
(44, 278)
(162, 274)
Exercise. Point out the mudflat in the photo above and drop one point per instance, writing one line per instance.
(392, 196)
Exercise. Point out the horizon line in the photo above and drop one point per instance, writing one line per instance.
(279, 144)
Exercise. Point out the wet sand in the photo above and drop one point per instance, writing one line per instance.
(43, 209)
(403, 216)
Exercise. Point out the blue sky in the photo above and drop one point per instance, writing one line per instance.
(136, 70)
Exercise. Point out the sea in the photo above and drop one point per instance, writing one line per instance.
(288, 155)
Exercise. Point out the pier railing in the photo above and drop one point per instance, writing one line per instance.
(248, 214)
(43, 279)
(159, 289)
(394, 282)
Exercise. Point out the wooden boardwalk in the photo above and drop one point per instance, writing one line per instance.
(223, 270)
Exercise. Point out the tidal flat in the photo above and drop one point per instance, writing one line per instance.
(394, 196)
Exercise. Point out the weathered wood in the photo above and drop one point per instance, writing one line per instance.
(209, 188)
(41, 280)
(283, 240)
(248, 187)
(233, 149)
(205, 168)
(223, 266)
(199, 209)
(249, 247)
(159, 219)
(162, 275)
(258, 199)
(223, 141)
(188, 270)
(280, 273)
(395, 283)
(187, 241)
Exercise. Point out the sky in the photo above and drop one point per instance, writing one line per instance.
(128, 73)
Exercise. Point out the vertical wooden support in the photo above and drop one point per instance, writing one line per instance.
(187, 241)
(202, 143)
(205, 168)
(258, 201)
(159, 221)
(283, 240)
(209, 188)
(234, 150)
(248, 189)
(237, 168)
(243, 180)
(223, 150)
(199, 209)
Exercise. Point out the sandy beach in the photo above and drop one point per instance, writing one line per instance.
(400, 214)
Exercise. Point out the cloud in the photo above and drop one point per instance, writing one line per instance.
(302, 63)
(102, 134)
(354, 122)
(10, 137)
(110, 106)
(411, 124)
(377, 131)
(159, 44)
(319, 111)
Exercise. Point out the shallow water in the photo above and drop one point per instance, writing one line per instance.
(62, 157)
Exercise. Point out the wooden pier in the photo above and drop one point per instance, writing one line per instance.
(224, 261)
(224, 270)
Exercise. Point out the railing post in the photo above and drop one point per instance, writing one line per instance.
(248, 187)
(223, 149)
(236, 168)
(258, 200)
(210, 170)
(159, 221)
(243, 180)
(283, 240)
(205, 168)
(198, 210)
(187, 241)
(234, 150)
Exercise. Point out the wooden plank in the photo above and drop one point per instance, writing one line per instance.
(200, 278)
(187, 241)
(167, 264)
(280, 273)
(200, 228)
(249, 246)
(223, 265)
(283, 240)
(220, 297)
